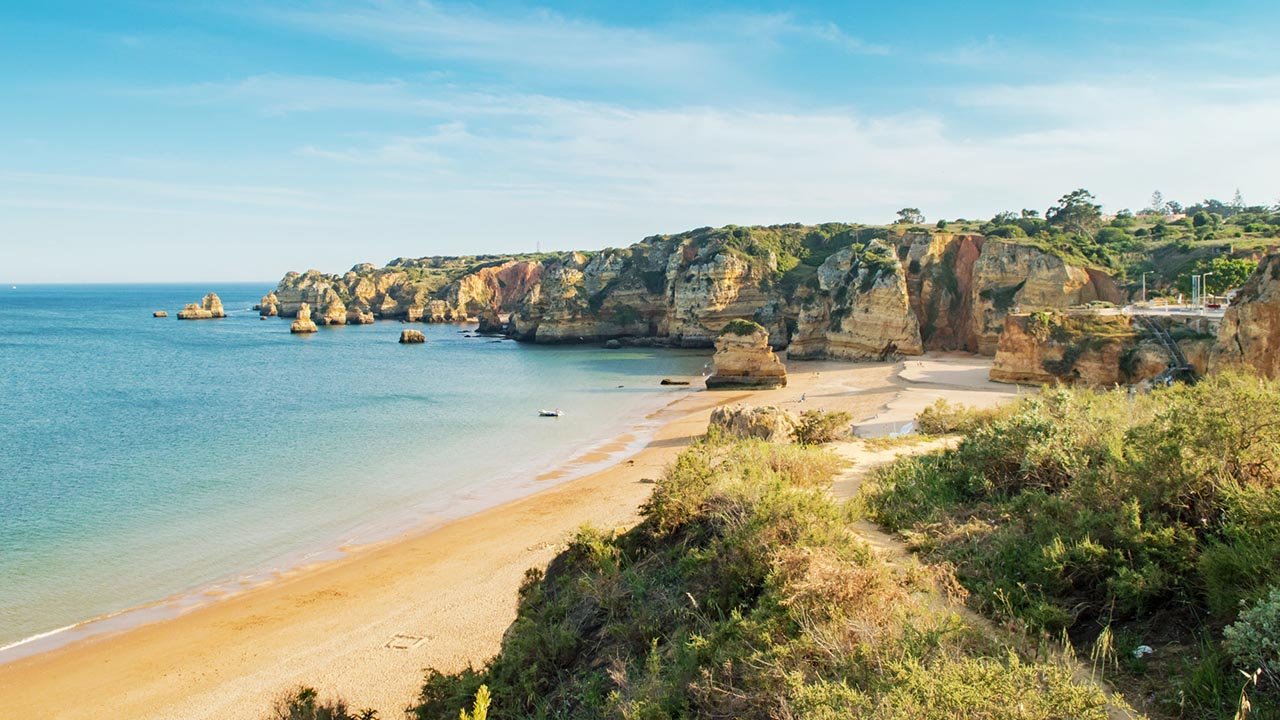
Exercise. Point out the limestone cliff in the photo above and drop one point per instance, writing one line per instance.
(1250, 333)
(861, 308)
(208, 308)
(684, 288)
(423, 289)
(743, 359)
(834, 290)
(1078, 348)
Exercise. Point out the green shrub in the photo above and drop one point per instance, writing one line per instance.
(741, 327)
(1254, 640)
(305, 704)
(816, 427)
(1078, 508)
(944, 418)
(744, 594)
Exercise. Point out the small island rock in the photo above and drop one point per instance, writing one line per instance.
(744, 360)
(208, 308)
(160, 313)
(412, 337)
(303, 323)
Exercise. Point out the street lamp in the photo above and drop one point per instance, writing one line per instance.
(1144, 285)
(1203, 288)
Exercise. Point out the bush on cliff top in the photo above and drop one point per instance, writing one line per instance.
(742, 327)
(1078, 509)
(744, 593)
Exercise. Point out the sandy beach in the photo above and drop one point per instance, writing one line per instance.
(365, 626)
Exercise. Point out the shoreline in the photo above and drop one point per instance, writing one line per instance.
(364, 626)
(585, 458)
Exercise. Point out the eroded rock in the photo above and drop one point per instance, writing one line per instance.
(744, 360)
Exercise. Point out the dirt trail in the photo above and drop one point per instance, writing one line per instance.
(862, 461)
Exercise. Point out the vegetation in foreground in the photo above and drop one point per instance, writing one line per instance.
(745, 593)
(1151, 523)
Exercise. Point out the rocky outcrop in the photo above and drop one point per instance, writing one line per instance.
(1086, 348)
(160, 314)
(333, 313)
(270, 305)
(1249, 336)
(766, 422)
(861, 309)
(302, 323)
(744, 360)
(359, 315)
(412, 337)
(210, 307)
(1008, 276)
(491, 323)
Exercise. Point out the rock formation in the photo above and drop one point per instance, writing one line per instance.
(1250, 333)
(766, 422)
(160, 314)
(303, 323)
(412, 337)
(833, 290)
(334, 312)
(210, 307)
(359, 315)
(860, 310)
(270, 305)
(743, 359)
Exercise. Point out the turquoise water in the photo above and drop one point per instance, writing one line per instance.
(142, 458)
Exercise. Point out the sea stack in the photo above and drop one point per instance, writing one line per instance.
(270, 305)
(210, 307)
(303, 323)
(744, 360)
(412, 337)
(160, 313)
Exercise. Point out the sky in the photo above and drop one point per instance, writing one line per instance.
(154, 141)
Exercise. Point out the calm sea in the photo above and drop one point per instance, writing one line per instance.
(142, 458)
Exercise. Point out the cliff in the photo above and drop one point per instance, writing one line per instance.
(1250, 332)
(834, 290)
(861, 308)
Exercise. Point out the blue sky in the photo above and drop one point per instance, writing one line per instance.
(153, 141)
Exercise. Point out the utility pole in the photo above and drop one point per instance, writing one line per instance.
(1144, 285)
(1204, 289)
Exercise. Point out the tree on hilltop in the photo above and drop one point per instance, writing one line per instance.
(1158, 205)
(1076, 213)
(911, 216)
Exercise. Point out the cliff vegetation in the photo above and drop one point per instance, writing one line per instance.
(1149, 524)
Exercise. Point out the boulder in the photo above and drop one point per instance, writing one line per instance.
(303, 324)
(744, 360)
(766, 422)
(412, 337)
(669, 381)
(210, 307)
(160, 313)
(613, 344)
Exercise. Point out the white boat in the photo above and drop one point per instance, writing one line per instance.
(551, 413)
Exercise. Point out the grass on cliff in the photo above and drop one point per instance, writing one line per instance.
(745, 593)
(1153, 520)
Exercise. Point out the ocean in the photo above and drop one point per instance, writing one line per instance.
(144, 458)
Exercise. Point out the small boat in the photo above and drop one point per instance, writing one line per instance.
(550, 413)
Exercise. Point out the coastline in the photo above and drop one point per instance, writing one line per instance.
(363, 626)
